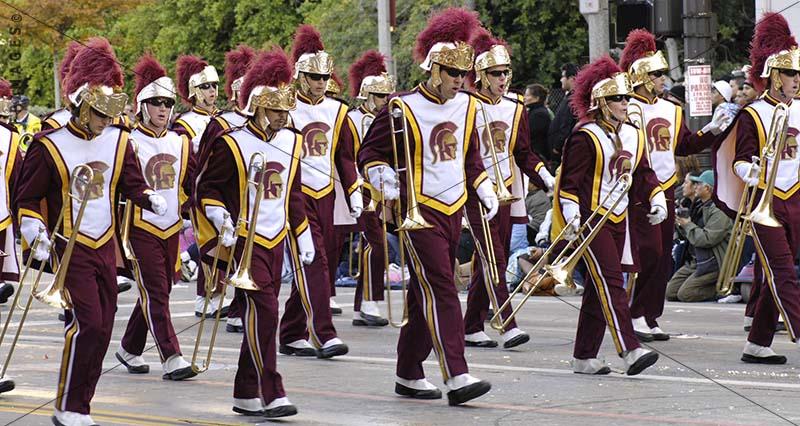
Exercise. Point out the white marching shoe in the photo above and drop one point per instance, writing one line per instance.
(176, 368)
(134, 363)
(417, 389)
(464, 388)
(755, 354)
(638, 359)
(69, 418)
(590, 366)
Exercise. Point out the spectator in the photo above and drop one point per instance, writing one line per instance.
(25, 121)
(708, 238)
(539, 118)
(721, 99)
(736, 84)
(537, 203)
(564, 119)
(677, 94)
(747, 95)
(686, 207)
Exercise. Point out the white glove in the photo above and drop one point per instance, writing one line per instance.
(718, 123)
(186, 224)
(658, 209)
(572, 216)
(305, 245)
(32, 228)
(158, 204)
(548, 179)
(222, 221)
(391, 187)
(749, 172)
(488, 198)
(356, 204)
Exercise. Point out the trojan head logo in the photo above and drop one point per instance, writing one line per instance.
(790, 148)
(273, 184)
(658, 137)
(160, 172)
(443, 142)
(315, 142)
(620, 163)
(498, 129)
(94, 189)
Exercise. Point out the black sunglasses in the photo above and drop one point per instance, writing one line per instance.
(788, 73)
(618, 98)
(101, 115)
(380, 95)
(657, 74)
(157, 102)
(318, 77)
(499, 73)
(206, 86)
(452, 72)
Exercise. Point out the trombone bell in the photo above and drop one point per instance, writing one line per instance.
(763, 216)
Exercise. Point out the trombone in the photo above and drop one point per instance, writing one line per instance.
(366, 122)
(504, 197)
(56, 294)
(560, 269)
(413, 219)
(125, 233)
(763, 214)
(241, 279)
(491, 277)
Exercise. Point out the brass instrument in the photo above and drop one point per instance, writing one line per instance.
(56, 294)
(125, 233)
(636, 117)
(491, 277)
(562, 266)
(504, 197)
(413, 219)
(241, 279)
(763, 213)
(366, 122)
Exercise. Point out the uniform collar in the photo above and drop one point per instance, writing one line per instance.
(77, 131)
(251, 125)
(773, 101)
(487, 100)
(644, 99)
(427, 94)
(200, 111)
(307, 100)
(149, 132)
(364, 110)
(606, 125)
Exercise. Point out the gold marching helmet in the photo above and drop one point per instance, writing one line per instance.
(443, 43)
(151, 82)
(618, 84)
(5, 98)
(489, 52)
(95, 81)
(641, 57)
(334, 85)
(309, 55)
(772, 49)
(192, 72)
(267, 84)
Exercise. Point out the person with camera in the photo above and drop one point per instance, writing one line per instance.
(707, 234)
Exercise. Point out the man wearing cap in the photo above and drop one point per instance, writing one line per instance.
(88, 141)
(445, 149)
(707, 240)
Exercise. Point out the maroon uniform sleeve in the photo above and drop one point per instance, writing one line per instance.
(35, 180)
(747, 143)
(132, 184)
(689, 143)
(645, 182)
(526, 159)
(220, 176)
(376, 148)
(344, 157)
(473, 163)
(180, 129)
(577, 161)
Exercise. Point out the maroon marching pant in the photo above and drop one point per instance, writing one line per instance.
(776, 249)
(371, 281)
(479, 298)
(257, 375)
(755, 289)
(434, 309)
(655, 254)
(605, 302)
(157, 259)
(91, 280)
(307, 313)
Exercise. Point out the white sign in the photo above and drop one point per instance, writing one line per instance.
(588, 7)
(698, 88)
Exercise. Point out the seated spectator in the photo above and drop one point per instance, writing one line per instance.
(708, 238)
(685, 207)
(537, 203)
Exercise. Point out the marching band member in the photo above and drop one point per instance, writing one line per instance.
(369, 82)
(508, 130)
(61, 116)
(88, 139)
(775, 60)
(601, 149)
(266, 98)
(165, 158)
(237, 62)
(327, 153)
(446, 153)
(667, 136)
(197, 87)
(10, 164)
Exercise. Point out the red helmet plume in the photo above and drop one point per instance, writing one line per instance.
(771, 35)
(306, 40)
(95, 64)
(448, 26)
(637, 45)
(63, 68)
(271, 68)
(146, 71)
(5, 89)
(588, 76)
(482, 40)
(187, 66)
(371, 62)
(237, 62)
